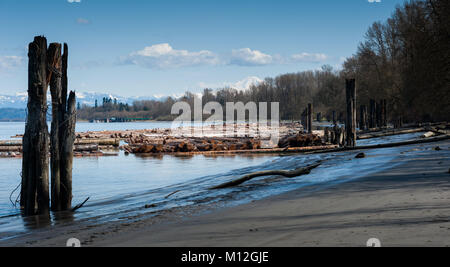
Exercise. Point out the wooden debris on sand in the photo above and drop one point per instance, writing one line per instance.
(248, 177)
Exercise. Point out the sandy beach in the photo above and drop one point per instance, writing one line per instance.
(406, 205)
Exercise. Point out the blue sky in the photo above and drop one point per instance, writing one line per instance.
(153, 47)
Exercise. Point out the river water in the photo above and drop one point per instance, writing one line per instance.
(125, 184)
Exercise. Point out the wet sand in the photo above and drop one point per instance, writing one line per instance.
(407, 205)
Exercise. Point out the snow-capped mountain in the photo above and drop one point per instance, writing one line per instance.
(241, 85)
(19, 100)
(247, 83)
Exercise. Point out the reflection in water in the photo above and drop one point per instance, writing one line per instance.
(36, 222)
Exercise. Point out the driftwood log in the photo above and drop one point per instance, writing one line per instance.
(10, 149)
(248, 177)
(376, 134)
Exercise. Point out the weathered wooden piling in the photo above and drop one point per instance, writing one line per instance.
(310, 117)
(48, 67)
(305, 119)
(341, 117)
(378, 114)
(319, 116)
(68, 137)
(372, 108)
(351, 112)
(35, 176)
(363, 118)
(54, 76)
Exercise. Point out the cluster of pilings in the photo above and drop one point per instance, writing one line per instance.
(375, 116)
(47, 67)
(371, 117)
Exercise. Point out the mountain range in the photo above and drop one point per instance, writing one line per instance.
(19, 100)
(12, 107)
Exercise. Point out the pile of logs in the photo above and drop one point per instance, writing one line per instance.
(174, 145)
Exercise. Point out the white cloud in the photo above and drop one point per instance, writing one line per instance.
(248, 57)
(163, 56)
(9, 62)
(374, 1)
(74, 1)
(307, 57)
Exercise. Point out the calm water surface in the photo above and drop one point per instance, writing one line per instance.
(9, 129)
(124, 184)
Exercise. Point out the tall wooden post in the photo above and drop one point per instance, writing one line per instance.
(378, 113)
(372, 123)
(351, 112)
(363, 118)
(35, 181)
(310, 117)
(304, 119)
(55, 75)
(385, 118)
(67, 136)
(334, 118)
(67, 153)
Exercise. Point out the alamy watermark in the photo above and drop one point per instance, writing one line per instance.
(239, 120)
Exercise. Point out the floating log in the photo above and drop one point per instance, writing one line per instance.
(288, 174)
(11, 149)
(86, 148)
(101, 142)
(389, 133)
(77, 148)
(10, 143)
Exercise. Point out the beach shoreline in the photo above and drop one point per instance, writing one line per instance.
(405, 205)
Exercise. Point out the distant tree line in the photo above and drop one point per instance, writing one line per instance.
(405, 60)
